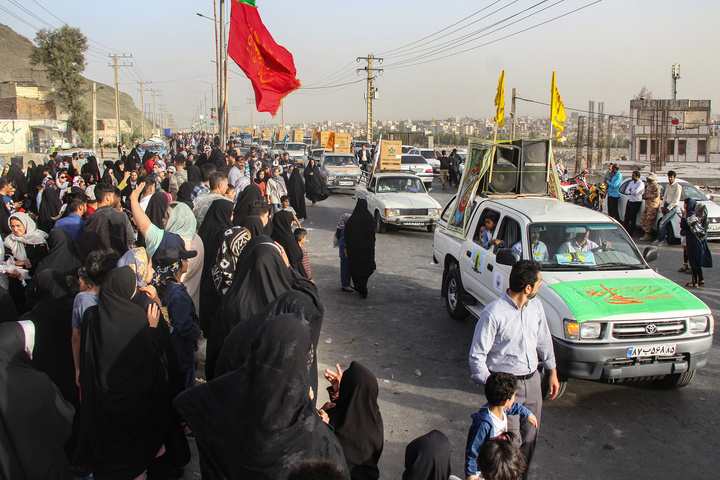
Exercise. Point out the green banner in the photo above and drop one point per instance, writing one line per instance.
(595, 299)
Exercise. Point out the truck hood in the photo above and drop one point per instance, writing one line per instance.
(342, 170)
(625, 295)
(407, 200)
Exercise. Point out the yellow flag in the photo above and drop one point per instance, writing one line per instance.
(500, 101)
(331, 141)
(557, 109)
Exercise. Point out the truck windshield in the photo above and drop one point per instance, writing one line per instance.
(577, 246)
(340, 161)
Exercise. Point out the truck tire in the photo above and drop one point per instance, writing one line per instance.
(431, 228)
(453, 295)
(379, 224)
(676, 380)
(546, 386)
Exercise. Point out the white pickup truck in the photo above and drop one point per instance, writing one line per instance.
(612, 317)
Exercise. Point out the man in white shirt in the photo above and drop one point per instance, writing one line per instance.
(538, 250)
(670, 207)
(634, 191)
(581, 243)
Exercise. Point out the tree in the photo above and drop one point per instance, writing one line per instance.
(644, 94)
(61, 51)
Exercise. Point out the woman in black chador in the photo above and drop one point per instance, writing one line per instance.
(360, 244)
(316, 189)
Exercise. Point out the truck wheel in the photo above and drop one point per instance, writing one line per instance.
(453, 295)
(676, 380)
(431, 228)
(379, 224)
(546, 387)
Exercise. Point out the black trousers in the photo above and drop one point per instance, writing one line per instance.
(613, 207)
(631, 211)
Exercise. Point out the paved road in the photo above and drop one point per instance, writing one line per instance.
(419, 354)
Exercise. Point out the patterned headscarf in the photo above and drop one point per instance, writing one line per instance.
(137, 259)
(163, 275)
(234, 241)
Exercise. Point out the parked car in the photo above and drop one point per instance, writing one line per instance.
(356, 145)
(296, 151)
(688, 191)
(399, 199)
(419, 166)
(315, 153)
(430, 155)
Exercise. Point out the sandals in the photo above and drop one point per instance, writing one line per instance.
(347, 289)
(684, 268)
(691, 285)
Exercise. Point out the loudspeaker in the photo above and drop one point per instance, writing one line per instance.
(533, 166)
(521, 170)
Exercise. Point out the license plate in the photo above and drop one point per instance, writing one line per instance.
(413, 223)
(345, 184)
(714, 228)
(651, 350)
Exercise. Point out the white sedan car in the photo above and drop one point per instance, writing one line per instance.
(688, 191)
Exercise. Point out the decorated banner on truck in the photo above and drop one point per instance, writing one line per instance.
(476, 166)
(594, 299)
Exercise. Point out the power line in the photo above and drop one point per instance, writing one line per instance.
(400, 65)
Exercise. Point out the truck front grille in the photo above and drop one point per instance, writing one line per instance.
(648, 329)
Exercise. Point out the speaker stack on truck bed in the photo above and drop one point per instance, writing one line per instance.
(520, 169)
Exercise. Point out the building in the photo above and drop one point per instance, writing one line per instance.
(666, 131)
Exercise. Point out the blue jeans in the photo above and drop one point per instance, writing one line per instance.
(345, 277)
(276, 207)
(662, 228)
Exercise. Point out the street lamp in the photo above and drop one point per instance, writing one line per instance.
(212, 85)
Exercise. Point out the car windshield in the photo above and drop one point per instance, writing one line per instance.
(577, 246)
(340, 161)
(295, 146)
(413, 159)
(400, 184)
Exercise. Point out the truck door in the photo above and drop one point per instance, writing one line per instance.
(496, 279)
(474, 258)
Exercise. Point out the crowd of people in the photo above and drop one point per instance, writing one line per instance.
(115, 275)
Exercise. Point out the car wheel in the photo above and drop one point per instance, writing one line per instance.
(676, 380)
(453, 295)
(430, 228)
(379, 224)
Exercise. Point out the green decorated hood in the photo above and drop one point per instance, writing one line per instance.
(602, 298)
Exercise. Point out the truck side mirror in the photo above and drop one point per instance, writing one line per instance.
(507, 256)
(650, 254)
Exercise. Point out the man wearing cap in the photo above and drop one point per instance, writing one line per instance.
(652, 203)
(170, 264)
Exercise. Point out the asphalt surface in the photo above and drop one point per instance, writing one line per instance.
(403, 333)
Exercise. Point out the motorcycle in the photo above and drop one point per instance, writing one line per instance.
(570, 187)
(596, 196)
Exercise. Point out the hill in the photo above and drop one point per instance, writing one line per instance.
(15, 66)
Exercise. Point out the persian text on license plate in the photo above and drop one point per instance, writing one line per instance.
(651, 350)
(345, 184)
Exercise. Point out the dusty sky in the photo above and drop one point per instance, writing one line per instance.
(438, 63)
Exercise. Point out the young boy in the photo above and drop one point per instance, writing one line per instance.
(285, 202)
(500, 459)
(491, 420)
(301, 238)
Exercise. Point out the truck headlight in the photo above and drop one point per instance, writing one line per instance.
(590, 330)
(331, 179)
(392, 212)
(698, 324)
(438, 211)
(571, 329)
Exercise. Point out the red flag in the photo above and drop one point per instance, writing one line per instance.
(269, 66)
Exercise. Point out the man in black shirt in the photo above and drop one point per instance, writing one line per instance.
(444, 168)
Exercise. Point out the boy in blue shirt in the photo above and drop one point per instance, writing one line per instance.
(491, 420)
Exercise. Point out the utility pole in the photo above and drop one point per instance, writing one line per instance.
(235, 110)
(591, 120)
(371, 93)
(609, 138)
(142, 109)
(94, 114)
(512, 115)
(252, 126)
(601, 133)
(115, 56)
(154, 117)
(222, 90)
